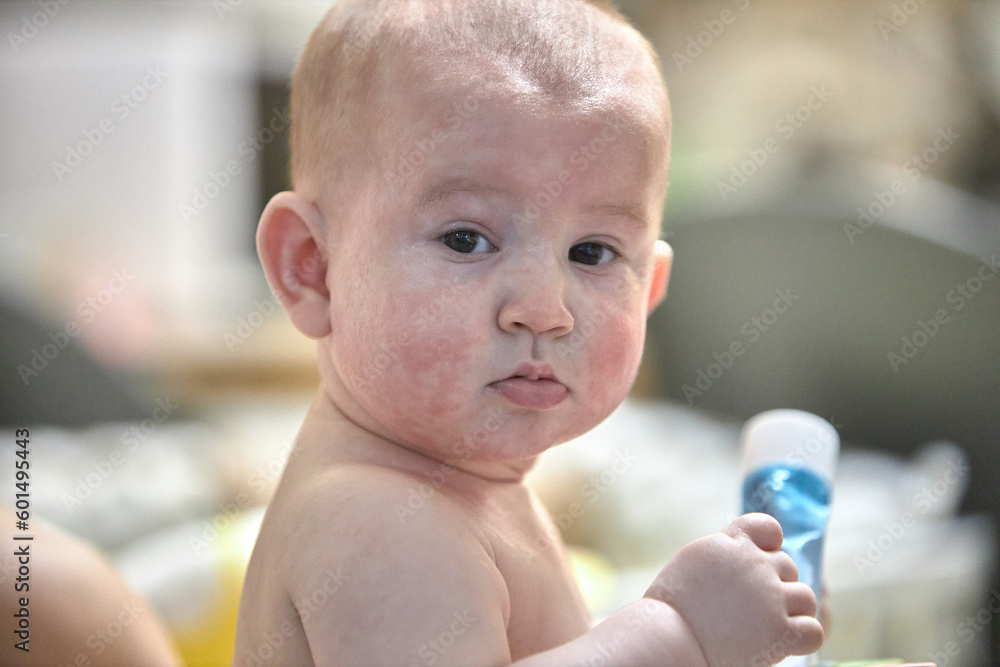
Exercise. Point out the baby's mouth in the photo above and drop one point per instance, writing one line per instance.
(533, 387)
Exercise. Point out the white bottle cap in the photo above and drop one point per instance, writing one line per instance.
(793, 437)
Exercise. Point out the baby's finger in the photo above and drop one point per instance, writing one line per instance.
(807, 633)
(763, 530)
(800, 600)
(787, 569)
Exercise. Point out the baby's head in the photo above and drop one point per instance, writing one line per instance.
(373, 70)
(478, 187)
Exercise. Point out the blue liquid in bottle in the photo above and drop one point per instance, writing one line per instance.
(800, 500)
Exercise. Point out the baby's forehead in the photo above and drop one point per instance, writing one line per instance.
(437, 134)
(425, 65)
(502, 156)
(427, 113)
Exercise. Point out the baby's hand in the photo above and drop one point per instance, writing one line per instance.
(740, 595)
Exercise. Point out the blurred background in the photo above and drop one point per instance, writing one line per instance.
(834, 209)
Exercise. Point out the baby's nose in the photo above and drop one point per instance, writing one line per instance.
(535, 297)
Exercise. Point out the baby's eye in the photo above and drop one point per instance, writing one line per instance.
(591, 253)
(467, 241)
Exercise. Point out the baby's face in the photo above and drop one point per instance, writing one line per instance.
(493, 303)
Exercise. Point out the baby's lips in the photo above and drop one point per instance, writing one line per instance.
(540, 394)
(534, 372)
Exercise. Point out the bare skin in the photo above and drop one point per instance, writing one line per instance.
(463, 548)
(402, 532)
(81, 611)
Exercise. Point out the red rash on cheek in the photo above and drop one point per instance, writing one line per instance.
(434, 372)
(616, 352)
(435, 347)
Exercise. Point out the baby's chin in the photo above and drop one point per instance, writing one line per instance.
(506, 437)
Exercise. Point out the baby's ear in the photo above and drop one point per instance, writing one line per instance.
(292, 248)
(663, 260)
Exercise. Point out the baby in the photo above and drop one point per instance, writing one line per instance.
(65, 604)
(472, 240)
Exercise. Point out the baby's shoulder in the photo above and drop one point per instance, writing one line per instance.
(363, 528)
(350, 510)
(375, 496)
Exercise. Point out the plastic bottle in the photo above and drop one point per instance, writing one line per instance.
(789, 461)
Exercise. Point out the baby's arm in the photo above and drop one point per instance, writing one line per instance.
(416, 586)
(731, 598)
(646, 632)
(422, 587)
(741, 596)
(727, 599)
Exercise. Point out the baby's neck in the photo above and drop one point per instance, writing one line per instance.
(330, 435)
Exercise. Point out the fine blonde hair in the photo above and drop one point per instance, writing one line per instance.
(577, 53)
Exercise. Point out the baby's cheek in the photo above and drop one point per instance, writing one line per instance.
(433, 371)
(614, 358)
(375, 337)
(441, 353)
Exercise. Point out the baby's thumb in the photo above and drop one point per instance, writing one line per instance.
(762, 529)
